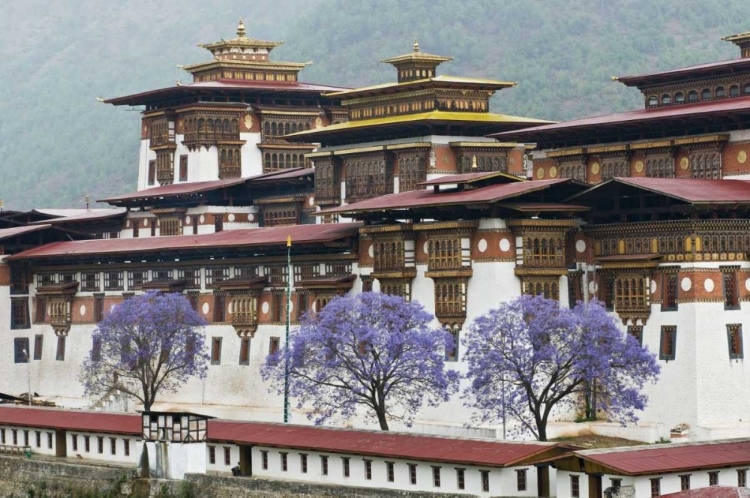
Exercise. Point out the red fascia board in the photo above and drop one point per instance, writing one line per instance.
(677, 458)
(7, 233)
(300, 234)
(71, 420)
(694, 191)
(731, 65)
(636, 116)
(427, 197)
(137, 98)
(371, 443)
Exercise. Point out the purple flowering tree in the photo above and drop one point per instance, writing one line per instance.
(373, 351)
(529, 357)
(150, 344)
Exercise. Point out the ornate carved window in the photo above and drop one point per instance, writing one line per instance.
(631, 294)
(278, 275)
(668, 342)
(113, 280)
(136, 278)
(90, 281)
(450, 299)
(21, 352)
(46, 279)
(574, 169)
(165, 167)
(170, 226)
(543, 250)
(161, 132)
(327, 182)
(204, 129)
(368, 177)
(734, 340)
(216, 275)
(19, 279)
(729, 280)
(705, 164)
(636, 331)
(396, 287)
(542, 286)
(220, 306)
(41, 310)
(659, 165)
(338, 269)
(218, 223)
(412, 170)
(613, 167)
(483, 162)
(230, 164)
(303, 272)
(669, 299)
(191, 276)
(389, 255)
(245, 313)
(281, 214)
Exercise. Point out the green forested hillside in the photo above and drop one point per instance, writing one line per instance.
(57, 143)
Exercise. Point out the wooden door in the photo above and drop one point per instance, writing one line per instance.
(246, 460)
(542, 480)
(61, 446)
(595, 486)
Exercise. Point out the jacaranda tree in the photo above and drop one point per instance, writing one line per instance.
(373, 351)
(149, 344)
(530, 356)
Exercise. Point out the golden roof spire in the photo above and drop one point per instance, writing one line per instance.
(416, 45)
(241, 29)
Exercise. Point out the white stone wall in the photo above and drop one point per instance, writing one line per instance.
(135, 447)
(27, 436)
(502, 481)
(219, 465)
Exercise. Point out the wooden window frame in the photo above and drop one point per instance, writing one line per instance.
(368, 469)
(96, 348)
(685, 482)
(345, 466)
(113, 445)
(38, 346)
(151, 173)
(303, 463)
(90, 281)
(87, 444)
(74, 441)
(98, 308)
(636, 331)
(412, 473)
(734, 341)
(655, 485)
(212, 455)
(485, 478)
(436, 476)
(713, 478)
(324, 465)
(521, 481)
(575, 486)
(730, 290)
(183, 167)
(390, 468)
(264, 459)
(216, 350)
(100, 445)
(21, 344)
(741, 478)
(114, 280)
(227, 456)
(665, 340)
(671, 292)
(50, 443)
(60, 351)
(126, 446)
(19, 313)
(220, 307)
(244, 351)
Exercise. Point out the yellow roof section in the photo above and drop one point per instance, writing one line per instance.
(434, 116)
(436, 79)
(737, 38)
(241, 41)
(416, 55)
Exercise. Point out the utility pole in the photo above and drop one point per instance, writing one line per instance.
(290, 276)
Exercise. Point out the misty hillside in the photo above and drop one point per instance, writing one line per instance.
(57, 143)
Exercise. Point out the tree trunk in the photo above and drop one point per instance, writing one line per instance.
(381, 418)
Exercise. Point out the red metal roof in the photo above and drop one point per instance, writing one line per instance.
(694, 190)
(74, 420)
(7, 233)
(175, 190)
(672, 457)
(284, 175)
(301, 234)
(384, 444)
(425, 198)
(98, 214)
(712, 492)
(731, 65)
(469, 178)
(638, 116)
(284, 86)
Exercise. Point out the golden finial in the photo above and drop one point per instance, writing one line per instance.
(416, 45)
(241, 29)
(1, 204)
(87, 200)
(474, 162)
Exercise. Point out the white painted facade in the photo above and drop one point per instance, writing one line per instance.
(126, 449)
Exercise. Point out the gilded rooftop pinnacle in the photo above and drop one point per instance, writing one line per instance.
(416, 46)
(241, 33)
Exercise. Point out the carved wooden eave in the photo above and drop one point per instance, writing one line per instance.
(527, 271)
(629, 262)
(450, 273)
(404, 274)
(163, 285)
(61, 289)
(326, 283)
(242, 285)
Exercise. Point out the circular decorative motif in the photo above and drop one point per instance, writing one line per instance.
(540, 173)
(291, 306)
(639, 166)
(311, 201)
(553, 172)
(595, 169)
(684, 163)
(593, 287)
(318, 122)
(371, 251)
(203, 219)
(686, 284)
(741, 157)
(581, 245)
(747, 284)
(82, 310)
(251, 217)
(426, 247)
(653, 287)
(229, 307)
(205, 308)
(482, 245)
(264, 307)
(248, 121)
(188, 220)
(230, 217)
(504, 245)
(145, 222)
(708, 284)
